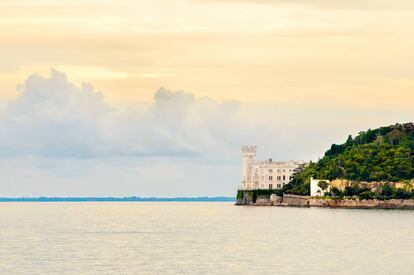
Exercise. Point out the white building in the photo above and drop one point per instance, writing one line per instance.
(266, 174)
(315, 190)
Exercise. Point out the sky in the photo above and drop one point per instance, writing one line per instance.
(156, 98)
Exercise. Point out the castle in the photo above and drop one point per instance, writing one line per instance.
(266, 174)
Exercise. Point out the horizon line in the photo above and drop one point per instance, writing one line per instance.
(119, 199)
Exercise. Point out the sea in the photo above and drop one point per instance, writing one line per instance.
(201, 238)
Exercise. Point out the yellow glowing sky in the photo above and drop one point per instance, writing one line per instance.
(310, 51)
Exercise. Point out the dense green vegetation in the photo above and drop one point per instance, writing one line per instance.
(384, 154)
(387, 192)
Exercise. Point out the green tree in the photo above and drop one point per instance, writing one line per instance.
(323, 185)
(387, 192)
(366, 195)
(336, 192)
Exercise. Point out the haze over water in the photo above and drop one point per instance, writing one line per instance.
(214, 238)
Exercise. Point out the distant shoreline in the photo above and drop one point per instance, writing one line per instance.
(118, 199)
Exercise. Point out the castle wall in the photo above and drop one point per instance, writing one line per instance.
(265, 174)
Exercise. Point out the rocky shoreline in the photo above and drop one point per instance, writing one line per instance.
(289, 200)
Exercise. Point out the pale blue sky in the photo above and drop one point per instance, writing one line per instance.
(178, 86)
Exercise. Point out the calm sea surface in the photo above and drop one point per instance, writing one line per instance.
(200, 238)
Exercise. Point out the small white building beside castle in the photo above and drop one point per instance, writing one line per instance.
(267, 174)
(316, 190)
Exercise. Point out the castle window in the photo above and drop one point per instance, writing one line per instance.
(270, 177)
(270, 171)
(278, 177)
(284, 178)
(278, 186)
(270, 186)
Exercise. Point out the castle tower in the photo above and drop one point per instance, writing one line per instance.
(248, 157)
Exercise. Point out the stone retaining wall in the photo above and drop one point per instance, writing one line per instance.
(295, 200)
(306, 201)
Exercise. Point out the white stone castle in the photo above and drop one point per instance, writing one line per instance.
(266, 174)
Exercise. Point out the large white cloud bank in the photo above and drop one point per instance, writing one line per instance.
(54, 118)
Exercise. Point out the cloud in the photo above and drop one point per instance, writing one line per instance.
(53, 117)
